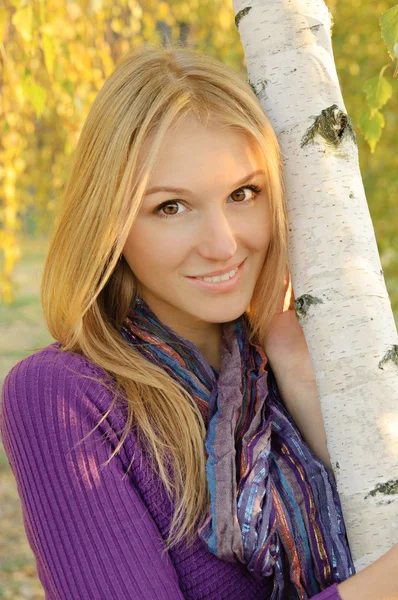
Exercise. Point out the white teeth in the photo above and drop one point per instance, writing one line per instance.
(219, 277)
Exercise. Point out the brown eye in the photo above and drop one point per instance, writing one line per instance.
(165, 208)
(239, 195)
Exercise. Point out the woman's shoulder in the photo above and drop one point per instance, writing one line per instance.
(51, 361)
(52, 376)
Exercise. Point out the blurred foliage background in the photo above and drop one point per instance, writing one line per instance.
(54, 58)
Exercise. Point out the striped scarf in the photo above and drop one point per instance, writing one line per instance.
(274, 505)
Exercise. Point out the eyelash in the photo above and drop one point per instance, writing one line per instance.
(257, 190)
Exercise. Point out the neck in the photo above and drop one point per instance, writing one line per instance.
(205, 336)
(207, 339)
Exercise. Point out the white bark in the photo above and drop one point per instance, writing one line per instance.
(333, 257)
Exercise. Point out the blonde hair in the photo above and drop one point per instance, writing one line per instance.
(87, 286)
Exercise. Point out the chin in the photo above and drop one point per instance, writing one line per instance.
(221, 313)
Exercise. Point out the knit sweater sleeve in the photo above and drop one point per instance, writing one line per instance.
(330, 593)
(87, 524)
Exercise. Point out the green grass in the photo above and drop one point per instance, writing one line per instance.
(4, 466)
(22, 326)
(22, 332)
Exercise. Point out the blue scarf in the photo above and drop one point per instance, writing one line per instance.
(274, 505)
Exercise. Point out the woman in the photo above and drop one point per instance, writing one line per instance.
(153, 454)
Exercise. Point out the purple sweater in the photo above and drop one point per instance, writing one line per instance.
(98, 533)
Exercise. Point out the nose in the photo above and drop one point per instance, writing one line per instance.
(217, 237)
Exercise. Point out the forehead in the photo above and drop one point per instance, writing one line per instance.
(191, 149)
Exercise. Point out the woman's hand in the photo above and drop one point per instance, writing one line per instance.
(285, 344)
(379, 581)
(287, 351)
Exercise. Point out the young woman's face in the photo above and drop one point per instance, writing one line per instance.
(215, 223)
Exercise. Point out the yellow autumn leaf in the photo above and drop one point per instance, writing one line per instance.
(36, 94)
(135, 26)
(22, 20)
(11, 139)
(170, 20)
(163, 11)
(95, 5)
(149, 25)
(19, 165)
(136, 10)
(9, 192)
(48, 29)
(12, 119)
(42, 12)
(225, 18)
(59, 29)
(104, 54)
(48, 47)
(73, 10)
(3, 23)
(10, 213)
(117, 25)
(11, 175)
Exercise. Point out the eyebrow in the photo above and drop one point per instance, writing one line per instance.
(182, 191)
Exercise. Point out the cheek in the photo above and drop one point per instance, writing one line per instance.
(148, 254)
(257, 230)
(260, 238)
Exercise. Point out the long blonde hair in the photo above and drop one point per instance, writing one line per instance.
(87, 286)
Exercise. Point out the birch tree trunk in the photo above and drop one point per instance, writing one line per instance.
(341, 298)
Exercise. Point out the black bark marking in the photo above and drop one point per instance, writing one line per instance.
(333, 125)
(242, 13)
(352, 195)
(252, 86)
(386, 489)
(391, 354)
(303, 303)
(261, 85)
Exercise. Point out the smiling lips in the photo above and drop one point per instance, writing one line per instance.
(217, 278)
(220, 283)
(230, 271)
